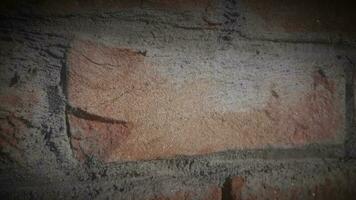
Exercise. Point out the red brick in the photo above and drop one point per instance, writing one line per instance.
(95, 138)
(12, 131)
(17, 110)
(237, 185)
(322, 188)
(20, 102)
(301, 16)
(166, 120)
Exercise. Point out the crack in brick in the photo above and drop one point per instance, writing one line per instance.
(80, 113)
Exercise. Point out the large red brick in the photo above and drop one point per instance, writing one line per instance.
(16, 112)
(171, 115)
(294, 16)
(320, 188)
(237, 186)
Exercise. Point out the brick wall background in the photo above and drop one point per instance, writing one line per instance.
(177, 99)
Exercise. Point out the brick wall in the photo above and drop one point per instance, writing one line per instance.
(177, 100)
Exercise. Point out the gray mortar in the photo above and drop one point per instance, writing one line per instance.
(33, 49)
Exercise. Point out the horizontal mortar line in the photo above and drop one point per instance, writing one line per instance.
(307, 150)
(244, 36)
(137, 181)
(22, 30)
(103, 14)
(261, 39)
(73, 183)
(216, 28)
(265, 39)
(317, 151)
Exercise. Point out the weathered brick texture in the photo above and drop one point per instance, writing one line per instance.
(163, 115)
(295, 21)
(177, 99)
(17, 109)
(314, 188)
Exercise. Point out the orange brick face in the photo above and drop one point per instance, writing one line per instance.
(164, 120)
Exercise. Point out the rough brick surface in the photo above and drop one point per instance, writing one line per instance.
(16, 112)
(170, 115)
(317, 21)
(12, 134)
(103, 99)
(314, 16)
(326, 188)
(90, 137)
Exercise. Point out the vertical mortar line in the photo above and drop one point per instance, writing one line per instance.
(63, 84)
(350, 139)
(231, 16)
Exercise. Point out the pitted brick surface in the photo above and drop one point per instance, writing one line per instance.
(104, 99)
(191, 115)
